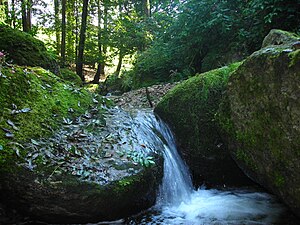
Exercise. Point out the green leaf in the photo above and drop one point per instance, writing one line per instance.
(1, 147)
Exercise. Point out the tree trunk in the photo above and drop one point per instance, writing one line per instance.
(24, 15)
(100, 62)
(6, 10)
(76, 29)
(57, 26)
(79, 63)
(63, 33)
(119, 63)
(28, 14)
(13, 14)
(146, 8)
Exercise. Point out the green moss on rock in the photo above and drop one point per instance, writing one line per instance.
(265, 110)
(70, 76)
(23, 49)
(191, 109)
(47, 99)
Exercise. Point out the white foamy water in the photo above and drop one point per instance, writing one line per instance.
(179, 203)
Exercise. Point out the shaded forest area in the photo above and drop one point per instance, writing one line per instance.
(137, 43)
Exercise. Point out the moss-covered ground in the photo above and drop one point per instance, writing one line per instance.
(33, 104)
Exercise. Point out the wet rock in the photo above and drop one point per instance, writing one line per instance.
(279, 37)
(264, 98)
(85, 172)
(190, 109)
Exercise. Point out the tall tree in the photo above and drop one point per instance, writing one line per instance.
(26, 6)
(79, 62)
(100, 67)
(63, 33)
(57, 26)
(146, 8)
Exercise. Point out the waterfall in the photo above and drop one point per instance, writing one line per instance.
(179, 203)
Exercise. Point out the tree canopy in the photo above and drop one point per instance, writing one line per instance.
(158, 40)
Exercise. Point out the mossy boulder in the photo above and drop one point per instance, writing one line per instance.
(25, 50)
(48, 181)
(279, 37)
(190, 109)
(264, 95)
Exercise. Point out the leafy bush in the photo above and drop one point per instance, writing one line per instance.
(210, 33)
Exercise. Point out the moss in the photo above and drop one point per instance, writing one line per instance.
(294, 57)
(192, 111)
(23, 49)
(47, 97)
(279, 180)
(246, 159)
(69, 75)
(194, 102)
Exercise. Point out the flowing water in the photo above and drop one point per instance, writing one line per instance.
(179, 203)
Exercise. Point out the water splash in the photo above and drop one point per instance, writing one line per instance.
(178, 203)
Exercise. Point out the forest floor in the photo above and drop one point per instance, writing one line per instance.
(139, 98)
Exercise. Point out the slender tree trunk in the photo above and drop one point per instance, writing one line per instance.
(63, 33)
(104, 47)
(13, 14)
(70, 37)
(6, 10)
(119, 63)
(79, 63)
(100, 62)
(146, 8)
(28, 14)
(57, 26)
(24, 15)
(76, 29)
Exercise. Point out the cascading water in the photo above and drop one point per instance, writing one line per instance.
(179, 203)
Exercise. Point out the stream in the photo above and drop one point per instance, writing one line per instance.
(179, 202)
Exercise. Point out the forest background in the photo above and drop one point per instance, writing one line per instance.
(137, 43)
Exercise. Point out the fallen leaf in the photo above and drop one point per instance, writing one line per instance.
(10, 123)
(25, 110)
(34, 142)
(9, 135)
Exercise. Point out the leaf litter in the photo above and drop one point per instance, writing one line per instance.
(89, 147)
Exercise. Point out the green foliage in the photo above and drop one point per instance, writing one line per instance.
(207, 34)
(139, 157)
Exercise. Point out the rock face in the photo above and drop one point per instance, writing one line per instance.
(190, 109)
(24, 49)
(264, 96)
(70, 200)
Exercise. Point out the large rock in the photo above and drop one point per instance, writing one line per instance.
(61, 161)
(24, 49)
(190, 109)
(264, 96)
(69, 200)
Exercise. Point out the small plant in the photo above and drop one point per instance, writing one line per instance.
(138, 157)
